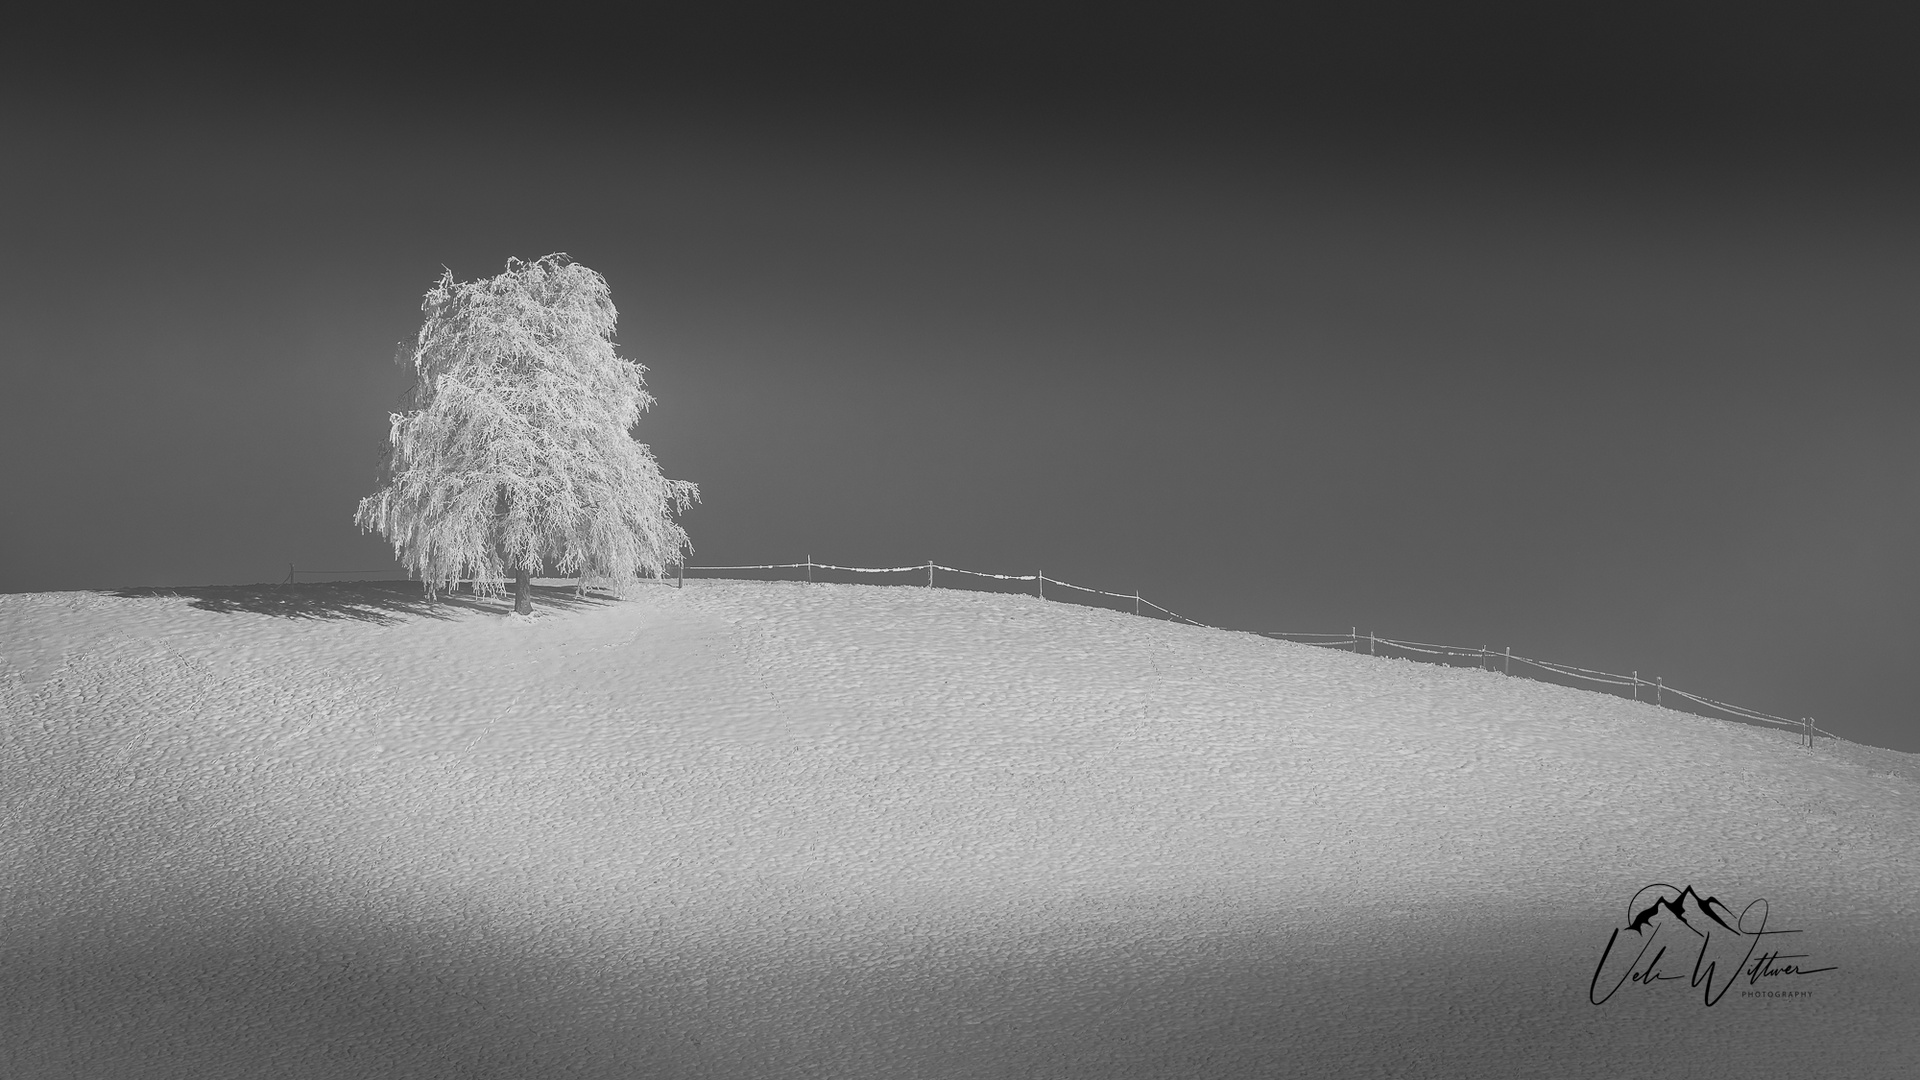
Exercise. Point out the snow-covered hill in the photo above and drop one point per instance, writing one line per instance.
(750, 830)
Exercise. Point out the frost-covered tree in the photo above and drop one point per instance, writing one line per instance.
(515, 452)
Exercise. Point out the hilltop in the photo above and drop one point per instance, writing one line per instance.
(771, 829)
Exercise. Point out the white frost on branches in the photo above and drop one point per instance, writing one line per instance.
(516, 452)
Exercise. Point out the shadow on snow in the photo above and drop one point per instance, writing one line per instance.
(364, 601)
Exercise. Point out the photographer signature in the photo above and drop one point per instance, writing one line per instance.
(1713, 941)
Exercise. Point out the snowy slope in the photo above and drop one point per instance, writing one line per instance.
(753, 830)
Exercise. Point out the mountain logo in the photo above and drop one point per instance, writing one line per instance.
(1678, 906)
(1665, 923)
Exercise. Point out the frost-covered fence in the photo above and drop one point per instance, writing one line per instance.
(1038, 577)
(1656, 691)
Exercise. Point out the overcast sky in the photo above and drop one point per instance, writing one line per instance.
(1591, 334)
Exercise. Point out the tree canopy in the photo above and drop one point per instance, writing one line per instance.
(516, 452)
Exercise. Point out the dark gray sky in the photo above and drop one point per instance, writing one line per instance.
(1585, 332)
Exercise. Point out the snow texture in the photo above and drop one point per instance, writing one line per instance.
(751, 830)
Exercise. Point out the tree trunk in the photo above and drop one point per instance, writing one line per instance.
(523, 594)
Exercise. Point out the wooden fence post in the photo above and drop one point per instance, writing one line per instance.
(929, 573)
(1506, 667)
(683, 575)
(1136, 601)
(1636, 684)
(1660, 691)
(1370, 650)
(809, 569)
(1040, 582)
(1354, 633)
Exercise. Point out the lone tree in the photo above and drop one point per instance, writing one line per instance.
(515, 453)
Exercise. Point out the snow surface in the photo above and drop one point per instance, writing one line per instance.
(751, 830)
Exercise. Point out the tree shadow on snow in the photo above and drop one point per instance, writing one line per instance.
(363, 601)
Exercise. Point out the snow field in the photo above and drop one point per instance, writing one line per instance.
(773, 829)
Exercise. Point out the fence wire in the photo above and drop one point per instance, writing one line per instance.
(1349, 640)
(1334, 640)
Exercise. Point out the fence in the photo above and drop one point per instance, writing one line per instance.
(1352, 639)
